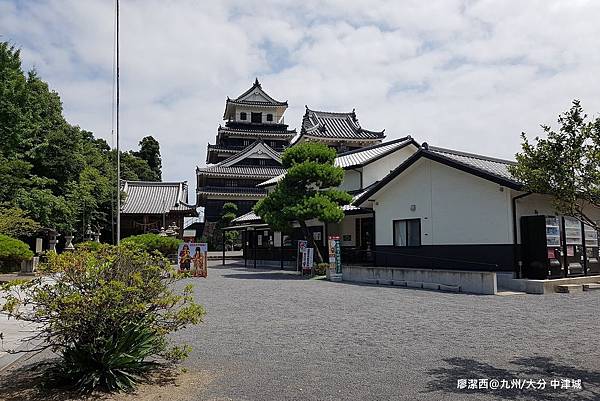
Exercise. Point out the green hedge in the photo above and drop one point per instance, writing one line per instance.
(12, 252)
(154, 242)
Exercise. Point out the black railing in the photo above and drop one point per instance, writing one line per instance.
(233, 190)
(408, 260)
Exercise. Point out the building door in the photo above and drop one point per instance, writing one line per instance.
(366, 233)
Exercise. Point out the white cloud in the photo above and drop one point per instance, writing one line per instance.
(463, 74)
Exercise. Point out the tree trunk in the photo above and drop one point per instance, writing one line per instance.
(311, 240)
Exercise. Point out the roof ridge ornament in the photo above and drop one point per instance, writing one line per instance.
(256, 83)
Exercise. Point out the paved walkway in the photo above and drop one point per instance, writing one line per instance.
(13, 332)
(269, 335)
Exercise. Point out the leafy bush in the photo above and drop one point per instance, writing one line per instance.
(12, 252)
(122, 358)
(154, 242)
(105, 312)
(321, 269)
(89, 245)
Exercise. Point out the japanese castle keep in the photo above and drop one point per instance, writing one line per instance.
(248, 148)
(246, 152)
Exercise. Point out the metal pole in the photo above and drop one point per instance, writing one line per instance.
(223, 235)
(117, 133)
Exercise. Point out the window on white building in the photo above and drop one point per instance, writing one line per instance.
(407, 232)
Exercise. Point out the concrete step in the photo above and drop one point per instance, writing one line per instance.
(414, 284)
(569, 288)
(591, 286)
(505, 293)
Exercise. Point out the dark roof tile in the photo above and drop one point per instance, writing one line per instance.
(146, 197)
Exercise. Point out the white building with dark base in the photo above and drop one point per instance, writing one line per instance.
(424, 207)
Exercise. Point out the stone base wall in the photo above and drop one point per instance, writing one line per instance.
(474, 282)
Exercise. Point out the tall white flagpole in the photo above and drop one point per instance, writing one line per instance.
(117, 132)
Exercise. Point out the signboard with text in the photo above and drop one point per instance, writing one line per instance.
(302, 244)
(335, 260)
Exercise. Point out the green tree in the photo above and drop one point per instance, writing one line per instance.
(49, 210)
(15, 222)
(14, 174)
(565, 164)
(135, 169)
(308, 191)
(228, 213)
(58, 173)
(12, 100)
(150, 152)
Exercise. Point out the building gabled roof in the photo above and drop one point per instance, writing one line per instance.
(333, 125)
(495, 166)
(147, 197)
(363, 156)
(491, 169)
(258, 147)
(231, 191)
(258, 172)
(256, 87)
(272, 181)
(360, 157)
(350, 208)
(247, 218)
(257, 132)
(255, 96)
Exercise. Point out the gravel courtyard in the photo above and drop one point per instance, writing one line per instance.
(269, 335)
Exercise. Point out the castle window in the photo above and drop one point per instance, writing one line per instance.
(269, 117)
(243, 116)
(256, 117)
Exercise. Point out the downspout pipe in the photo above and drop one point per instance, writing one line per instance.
(515, 238)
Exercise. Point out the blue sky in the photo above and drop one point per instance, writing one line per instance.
(470, 75)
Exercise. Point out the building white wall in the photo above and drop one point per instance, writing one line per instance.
(351, 180)
(277, 115)
(456, 208)
(378, 169)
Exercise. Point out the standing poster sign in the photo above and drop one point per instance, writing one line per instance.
(300, 255)
(308, 259)
(335, 260)
(192, 258)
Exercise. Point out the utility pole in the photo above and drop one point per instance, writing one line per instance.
(117, 129)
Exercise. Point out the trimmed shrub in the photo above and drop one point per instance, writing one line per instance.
(154, 242)
(12, 253)
(106, 312)
(89, 245)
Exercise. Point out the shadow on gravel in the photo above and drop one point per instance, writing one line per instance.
(27, 383)
(264, 276)
(445, 379)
